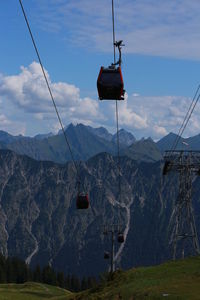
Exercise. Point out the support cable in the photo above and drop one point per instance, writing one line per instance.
(186, 119)
(118, 151)
(113, 23)
(49, 89)
(116, 107)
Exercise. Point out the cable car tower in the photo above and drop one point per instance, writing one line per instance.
(113, 230)
(184, 233)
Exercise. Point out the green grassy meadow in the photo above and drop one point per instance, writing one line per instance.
(31, 291)
(171, 280)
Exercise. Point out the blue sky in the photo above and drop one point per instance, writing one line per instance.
(161, 64)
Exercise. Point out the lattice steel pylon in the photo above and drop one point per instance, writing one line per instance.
(113, 229)
(184, 233)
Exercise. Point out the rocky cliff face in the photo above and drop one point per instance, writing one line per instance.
(40, 223)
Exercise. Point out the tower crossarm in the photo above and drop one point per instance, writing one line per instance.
(181, 160)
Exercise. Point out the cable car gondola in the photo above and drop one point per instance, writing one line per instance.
(110, 83)
(120, 238)
(82, 201)
(106, 255)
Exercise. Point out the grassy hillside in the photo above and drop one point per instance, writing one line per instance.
(31, 291)
(172, 280)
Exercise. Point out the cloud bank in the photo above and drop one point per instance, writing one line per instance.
(27, 108)
(27, 93)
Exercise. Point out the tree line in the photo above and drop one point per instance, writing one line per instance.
(15, 270)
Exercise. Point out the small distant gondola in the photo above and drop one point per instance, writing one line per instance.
(82, 201)
(106, 255)
(120, 238)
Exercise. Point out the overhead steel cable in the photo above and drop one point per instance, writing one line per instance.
(118, 151)
(186, 116)
(116, 107)
(113, 24)
(49, 88)
(186, 119)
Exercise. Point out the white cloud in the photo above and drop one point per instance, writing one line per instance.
(161, 131)
(88, 107)
(27, 92)
(26, 107)
(4, 120)
(39, 116)
(164, 28)
(129, 118)
(14, 128)
(163, 114)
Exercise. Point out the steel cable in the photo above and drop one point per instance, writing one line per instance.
(49, 88)
(186, 119)
(116, 112)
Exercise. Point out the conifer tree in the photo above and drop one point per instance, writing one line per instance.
(37, 276)
(61, 279)
(49, 275)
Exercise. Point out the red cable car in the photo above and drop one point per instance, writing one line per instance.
(82, 201)
(110, 83)
(106, 255)
(120, 238)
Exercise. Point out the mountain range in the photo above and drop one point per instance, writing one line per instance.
(39, 221)
(86, 141)
(169, 141)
